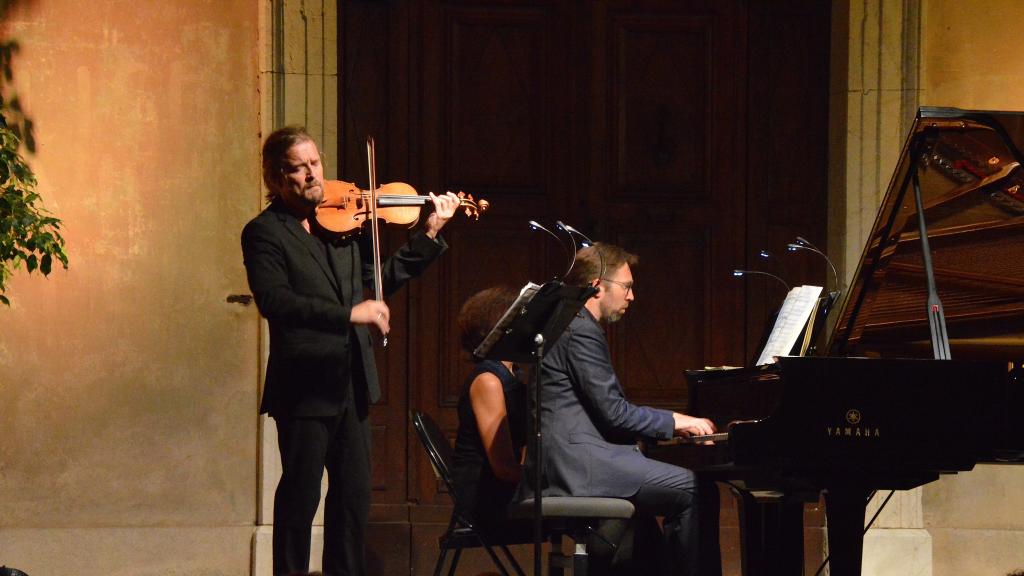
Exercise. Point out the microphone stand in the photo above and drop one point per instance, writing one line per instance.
(802, 244)
(585, 241)
(538, 448)
(740, 273)
(833, 296)
(534, 225)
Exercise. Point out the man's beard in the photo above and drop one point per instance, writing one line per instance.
(612, 316)
(310, 198)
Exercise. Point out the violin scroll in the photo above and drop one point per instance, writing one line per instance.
(470, 207)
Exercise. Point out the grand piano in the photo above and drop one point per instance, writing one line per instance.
(877, 410)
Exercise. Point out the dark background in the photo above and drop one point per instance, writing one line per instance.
(691, 132)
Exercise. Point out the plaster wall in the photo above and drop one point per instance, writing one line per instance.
(128, 428)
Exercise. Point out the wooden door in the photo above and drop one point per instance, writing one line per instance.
(634, 121)
(665, 101)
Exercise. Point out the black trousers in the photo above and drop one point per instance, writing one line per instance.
(341, 444)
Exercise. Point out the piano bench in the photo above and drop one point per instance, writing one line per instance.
(573, 516)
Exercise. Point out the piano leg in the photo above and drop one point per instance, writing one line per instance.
(771, 534)
(844, 509)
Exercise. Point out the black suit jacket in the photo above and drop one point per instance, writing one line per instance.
(306, 289)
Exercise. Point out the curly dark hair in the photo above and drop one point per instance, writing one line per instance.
(481, 312)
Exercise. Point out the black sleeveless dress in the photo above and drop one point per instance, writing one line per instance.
(481, 496)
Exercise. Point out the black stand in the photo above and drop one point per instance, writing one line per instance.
(844, 510)
(527, 331)
(771, 534)
(816, 324)
(538, 451)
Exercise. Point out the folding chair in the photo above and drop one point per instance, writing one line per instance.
(461, 532)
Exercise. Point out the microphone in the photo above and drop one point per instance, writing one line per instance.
(534, 225)
(802, 244)
(586, 239)
(777, 266)
(740, 273)
(538, 226)
(586, 242)
(766, 255)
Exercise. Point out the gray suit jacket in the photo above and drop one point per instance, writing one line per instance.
(306, 290)
(589, 428)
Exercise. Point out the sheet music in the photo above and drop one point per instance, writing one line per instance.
(795, 312)
(525, 295)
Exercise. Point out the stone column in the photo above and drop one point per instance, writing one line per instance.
(299, 70)
(874, 100)
(299, 85)
(875, 93)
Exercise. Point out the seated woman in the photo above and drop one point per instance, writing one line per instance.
(492, 424)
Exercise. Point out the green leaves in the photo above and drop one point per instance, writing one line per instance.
(28, 233)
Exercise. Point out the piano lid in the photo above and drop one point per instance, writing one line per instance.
(972, 187)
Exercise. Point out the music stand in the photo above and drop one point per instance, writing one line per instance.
(528, 329)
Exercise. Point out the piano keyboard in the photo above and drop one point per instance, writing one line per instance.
(699, 439)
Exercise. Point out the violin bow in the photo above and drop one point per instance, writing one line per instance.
(378, 283)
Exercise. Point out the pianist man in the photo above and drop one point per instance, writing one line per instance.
(590, 430)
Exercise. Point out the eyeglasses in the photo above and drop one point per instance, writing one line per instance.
(628, 286)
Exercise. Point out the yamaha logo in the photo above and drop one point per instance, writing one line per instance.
(853, 427)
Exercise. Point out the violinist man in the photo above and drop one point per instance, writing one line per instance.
(591, 430)
(321, 377)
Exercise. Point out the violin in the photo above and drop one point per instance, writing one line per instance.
(345, 207)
